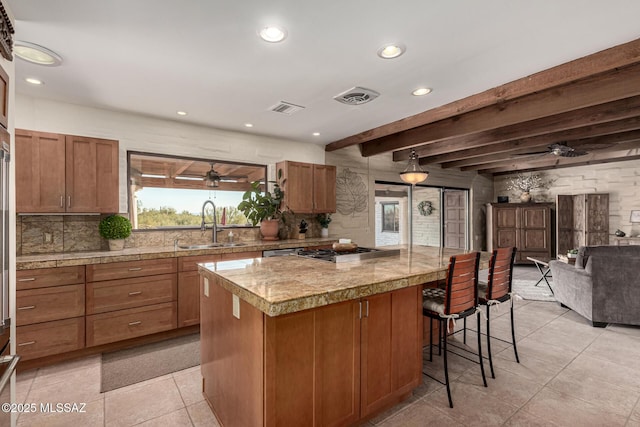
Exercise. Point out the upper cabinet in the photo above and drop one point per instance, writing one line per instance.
(4, 98)
(64, 173)
(308, 188)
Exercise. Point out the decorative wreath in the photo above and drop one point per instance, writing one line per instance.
(425, 208)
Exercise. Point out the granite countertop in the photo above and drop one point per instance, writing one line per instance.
(29, 262)
(284, 285)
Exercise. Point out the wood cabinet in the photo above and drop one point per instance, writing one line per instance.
(328, 366)
(526, 226)
(65, 173)
(50, 308)
(308, 188)
(582, 220)
(189, 283)
(4, 98)
(130, 299)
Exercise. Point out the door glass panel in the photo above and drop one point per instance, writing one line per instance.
(392, 218)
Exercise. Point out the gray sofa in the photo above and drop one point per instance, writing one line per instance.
(603, 286)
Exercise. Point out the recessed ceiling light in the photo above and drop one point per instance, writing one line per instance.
(273, 34)
(421, 91)
(181, 113)
(36, 54)
(248, 125)
(390, 51)
(33, 81)
(316, 134)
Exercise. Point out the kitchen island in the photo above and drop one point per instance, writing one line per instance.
(294, 341)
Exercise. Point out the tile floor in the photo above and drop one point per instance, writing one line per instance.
(570, 374)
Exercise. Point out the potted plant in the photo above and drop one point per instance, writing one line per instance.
(115, 229)
(572, 253)
(525, 183)
(263, 208)
(324, 219)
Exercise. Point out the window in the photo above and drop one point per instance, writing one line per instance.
(390, 217)
(170, 191)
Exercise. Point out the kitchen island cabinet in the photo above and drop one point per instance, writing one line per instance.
(298, 341)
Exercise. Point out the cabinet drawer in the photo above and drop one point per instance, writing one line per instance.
(128, 293)
(134, 322)
(190, 263)
(45, 277)
(44, 339)
(46, 304)
(124, 270)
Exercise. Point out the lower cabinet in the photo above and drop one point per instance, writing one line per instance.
(328, 366)
(45, 339)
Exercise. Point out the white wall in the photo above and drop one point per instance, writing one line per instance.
(360, 227)
(620, 179)
(149, 134)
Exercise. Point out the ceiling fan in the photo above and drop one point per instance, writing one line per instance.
(213, 178)
(561, 149)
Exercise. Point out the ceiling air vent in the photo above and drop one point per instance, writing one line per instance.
(286, 108)
(357, 96)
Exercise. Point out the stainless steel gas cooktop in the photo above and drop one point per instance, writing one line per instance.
(357, 255)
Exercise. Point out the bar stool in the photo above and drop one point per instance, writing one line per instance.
(496, 290)
(458, 300)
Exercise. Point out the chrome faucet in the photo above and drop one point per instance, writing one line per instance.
(203, 224)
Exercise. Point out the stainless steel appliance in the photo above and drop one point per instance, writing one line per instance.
(8, 362)
(281, 252)
(358, 254)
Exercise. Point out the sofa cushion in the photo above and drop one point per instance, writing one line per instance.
(584, 252)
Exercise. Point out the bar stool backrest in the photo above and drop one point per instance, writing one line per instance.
(461, 293)
(500, 273)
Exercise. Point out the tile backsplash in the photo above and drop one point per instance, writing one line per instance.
(38, 234)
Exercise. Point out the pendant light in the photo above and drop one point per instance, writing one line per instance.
(212, 178)
(413, 173)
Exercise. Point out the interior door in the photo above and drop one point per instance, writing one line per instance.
(455, 219)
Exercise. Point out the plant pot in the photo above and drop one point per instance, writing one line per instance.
(269, 229)
(116, 244)
(324, 232)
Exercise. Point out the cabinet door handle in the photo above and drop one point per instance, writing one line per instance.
(28, 307)
(61, 201)
(27, 279)
(135, 323)
(69, 201)
(134, 293)
(367, 309)
(135, 269)
(360, 310)
(26, 343)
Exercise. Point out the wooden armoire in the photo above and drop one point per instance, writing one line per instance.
(582, 220)
(527, 226)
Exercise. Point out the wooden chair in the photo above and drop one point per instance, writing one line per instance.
(496, 290)
(458, 300)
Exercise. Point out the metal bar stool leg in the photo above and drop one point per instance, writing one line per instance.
(431, 339)
(513, 335)
(484, 378)
(464, 332)
(446, 368)
(493, 375)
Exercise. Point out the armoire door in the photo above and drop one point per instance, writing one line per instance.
(596, 225)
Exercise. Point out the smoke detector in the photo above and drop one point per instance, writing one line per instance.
(357, 96)
(286, 108)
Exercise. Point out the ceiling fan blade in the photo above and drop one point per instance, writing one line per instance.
(573, 153)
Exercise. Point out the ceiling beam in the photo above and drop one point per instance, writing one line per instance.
(600, 62)
(534, 141)
(612, 86)
(554, 162)
(604, 142)
(608, 112)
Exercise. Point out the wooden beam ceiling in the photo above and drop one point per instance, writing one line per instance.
(591, 104)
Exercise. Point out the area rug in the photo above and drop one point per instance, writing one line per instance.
(528, 290)
(129, 366)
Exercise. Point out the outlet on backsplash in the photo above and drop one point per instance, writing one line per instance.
(48, 238)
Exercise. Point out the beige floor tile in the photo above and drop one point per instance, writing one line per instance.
(635, 414)
(93, 415)
(62, 372)
(201, 415)
(565, 410)
(611, 372)
(625, 329)
(525, 419)
(604, 394)
(24, 381)
(179, 418)
(85, 388)
(616, 347)
(507, 387)
(567, 334)
(129, 406)
(550, 353)
(530, 367)
(419, 413)
(189, 384)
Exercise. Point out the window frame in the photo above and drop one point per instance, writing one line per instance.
(396, 219)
